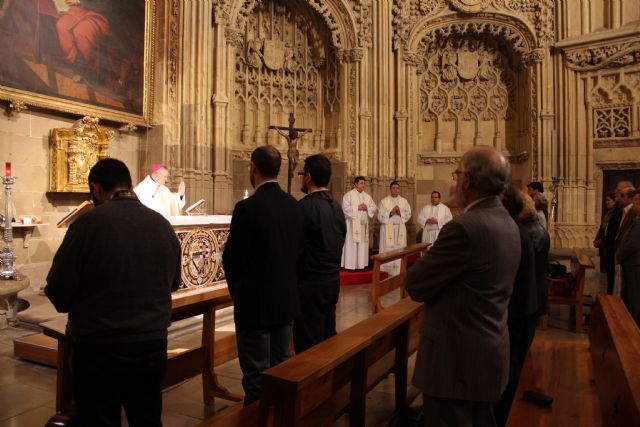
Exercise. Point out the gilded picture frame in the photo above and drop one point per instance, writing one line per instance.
(86, 57)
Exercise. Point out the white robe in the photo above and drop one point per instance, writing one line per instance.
(393, 231)
(441, 212)
(159, 197)
(355, 253)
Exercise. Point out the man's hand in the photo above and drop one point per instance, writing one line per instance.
(181, 188)
(432, 220)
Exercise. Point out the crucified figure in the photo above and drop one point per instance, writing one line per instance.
(292, 134)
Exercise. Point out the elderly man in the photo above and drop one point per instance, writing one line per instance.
(358, 208)
(119, 309)
(154, 194)
(465, 282)
(393, 212)
(433, 217)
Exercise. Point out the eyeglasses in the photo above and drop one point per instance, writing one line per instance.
(455, 174)
(302, 173)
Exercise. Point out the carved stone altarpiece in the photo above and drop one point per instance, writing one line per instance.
(74, 151)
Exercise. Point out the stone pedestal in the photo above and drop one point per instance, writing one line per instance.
(9, 299)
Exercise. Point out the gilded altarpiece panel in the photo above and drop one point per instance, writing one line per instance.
(285, 63)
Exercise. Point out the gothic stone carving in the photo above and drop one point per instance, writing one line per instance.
(607, 56)
(449, 159)
(74, 151)
(467, 79)
(470, 6)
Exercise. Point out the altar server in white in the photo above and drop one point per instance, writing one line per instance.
(433, 217)
(394, 211)
(154, 194)
(358, 208)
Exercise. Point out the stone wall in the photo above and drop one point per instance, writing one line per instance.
(24, 141)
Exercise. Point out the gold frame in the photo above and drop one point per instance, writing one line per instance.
(75, 107)
(74, 151)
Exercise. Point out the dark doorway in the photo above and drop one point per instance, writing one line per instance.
(612, 177)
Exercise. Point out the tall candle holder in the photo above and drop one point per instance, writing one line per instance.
(7, 256)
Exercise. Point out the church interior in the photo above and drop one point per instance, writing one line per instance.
(386, 89)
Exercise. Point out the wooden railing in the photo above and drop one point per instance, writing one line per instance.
(383, 287)
(317, 386)
(615, 349)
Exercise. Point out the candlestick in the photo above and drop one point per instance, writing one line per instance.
(7, 256)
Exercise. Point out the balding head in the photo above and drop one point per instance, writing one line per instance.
(621, 186)
(488, 170)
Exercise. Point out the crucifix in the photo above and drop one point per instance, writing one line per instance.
(292, 134)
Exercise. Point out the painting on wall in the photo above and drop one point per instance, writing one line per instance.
(91, 57)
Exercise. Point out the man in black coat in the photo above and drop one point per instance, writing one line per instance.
(114, 273)
(319, 269)
(260, 262)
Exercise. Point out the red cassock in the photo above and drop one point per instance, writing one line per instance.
(81, 31)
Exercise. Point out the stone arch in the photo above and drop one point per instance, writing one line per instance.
(335, 14)
(517, 33)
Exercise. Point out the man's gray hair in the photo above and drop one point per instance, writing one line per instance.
(488, 170)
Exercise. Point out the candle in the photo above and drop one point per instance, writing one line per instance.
(7, 169)
(554, 154)
(246, 193)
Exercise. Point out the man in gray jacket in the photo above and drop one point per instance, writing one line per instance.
(465, 282)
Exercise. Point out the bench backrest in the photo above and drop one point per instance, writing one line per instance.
(614, 338)
(318, 385)
(383, 287)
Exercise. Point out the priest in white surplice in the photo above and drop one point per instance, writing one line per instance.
(358, 208)
(394, 211)
(433, 217)
(153, 193)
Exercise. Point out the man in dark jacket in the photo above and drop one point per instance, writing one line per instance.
(114, 273)
(319, 269)
(260, 262)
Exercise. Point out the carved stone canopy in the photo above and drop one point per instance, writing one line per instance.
(74, 152)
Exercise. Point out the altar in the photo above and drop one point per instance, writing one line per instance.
(202, 239)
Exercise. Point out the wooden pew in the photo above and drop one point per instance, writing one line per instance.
(319, 385)
(383, 287)
(615, 348)
(181, 365)
(580, 262)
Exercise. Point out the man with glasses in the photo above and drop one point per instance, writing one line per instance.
(465, 283)
(319, 266)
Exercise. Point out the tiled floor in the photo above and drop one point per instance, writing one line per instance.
(27, 390)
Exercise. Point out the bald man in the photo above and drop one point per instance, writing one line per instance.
(465, 283)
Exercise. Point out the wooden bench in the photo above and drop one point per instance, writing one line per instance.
(383, 287)
(580, 262)
(181, 365)
(615, 348)
(333, 377)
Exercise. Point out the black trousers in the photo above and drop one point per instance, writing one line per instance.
(521, 333)
(317, 320)
(259, 350)
(106, 378)
(442, 412)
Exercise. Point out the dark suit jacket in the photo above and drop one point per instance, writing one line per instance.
(465, 281)
(261, 257)
(530, 289)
